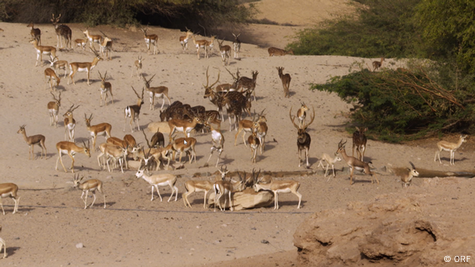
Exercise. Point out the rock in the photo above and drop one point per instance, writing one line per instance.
(247, 199)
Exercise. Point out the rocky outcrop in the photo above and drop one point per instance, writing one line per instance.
(247, 199)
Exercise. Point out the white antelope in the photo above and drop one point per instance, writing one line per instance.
(150, 39)
(133, 111)
(329, 161)
(451, 147)
(158, 91)
(69, 124)
(223, 188)
(203, 44)
(83, 67)
(89, 185)
(245, 126)
(184, 145)
(43, 50)
(98, 129)
(93, 38)
(105, 89)
(50, 76)
(354, 163)
(53, 109)
(9, 190)
(164, 179)
(71, 149)
(33, 140)
(280, 187)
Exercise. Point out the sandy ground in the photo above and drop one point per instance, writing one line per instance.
(52, 228)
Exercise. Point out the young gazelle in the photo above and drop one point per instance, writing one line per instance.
(217, 139)
(157, 180)
(43, 50)
(69, 124)
(359, 142)
(133, 111)
(93, 38)
(138, 67)
(50, 75)
(62, 31)
(159, 92)
(53, 109)
(225, 51)
(279, 187)
(354, 163)
(83, 67)
(106, 89)
(285, 78)
(329, 160)
(35, 32)
(9, 190)
(59, 65)
(451, 147)
(71, 149)
(86, 186)
(303, 138)
(377, 64)
(223, 188)
(33, 140)
(98, 129)
(184, 40)
(236, 46)
(150, 39)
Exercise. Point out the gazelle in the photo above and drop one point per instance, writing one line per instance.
(59, 65)
(217, 139)
(35, 32)
(223, 188)
(83, 67)
(110, 151)
(184, 40)
(377, 64)
(359, 142)
(157, 180)
(302, 113)
(254, 144)
(71, 149)
(285, 78)
(50, 75)
(451, 147)
(236, 45)
(62, 31)
(248, 83)
(138, 67)
(133, 111)
(409, 173)
(105, 47)
(202, 44)
(273, 51)
(105, 89)
(159, 92)
(86, 186)
(328, 160)
(69, 123)
(196, 186)
(244, 126)
(354, 163)
(261, 130)
(225, 51)
(184, 126)
(150, 39)
(81, 43)
(303, 138)
(33, 140)
(98, 129)
(9, 190)
(43, 50)
(184, 145)
(53, 109)
(93, 38)
(277, 187)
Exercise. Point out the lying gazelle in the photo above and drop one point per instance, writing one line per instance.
(53, 109)
(184, 40)
(408, 174)
(223, 188)
(62, 31)
(157, 180)
(98, 129)
(71, 149)
(9, 190)
(158, 91)
(50, 76)
(354, 163)
(43, 50)
(451, 147)
(225, 51)
(273, 51)
(303, 138)
(328, 160)
(217, 139)
(150, 39)
(93, 38)
(106, 89)
(236, 46)
(112, 152)
(33, 140)
(359, 142)
(133, 111)
(285, 78)
(138, 67)
(86, 186)
(60, 65)
(69, 124)
(75, 67)
(279, 187)
(35, 32)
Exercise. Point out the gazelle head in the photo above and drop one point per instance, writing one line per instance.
(77, 180)
(88, 120)
(341, 147)
(55, 20)
(139, 98)
(57, 100)
(87, 148)
(413, 171)
(147, 82)
(103, 78)
(22, 129)
(223, 171)
(209, 88)
(69, 113)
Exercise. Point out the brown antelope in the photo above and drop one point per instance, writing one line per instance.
(105, 47)
(302, 113)
(279, 187)
(127, 142)
(62, 31)
(83, 67)
(248, 83)
(98, 129)
(377, 64)
(285, 78)
(138, 67)
(354, 163)
(217, 139)
(133, 111)
(93, 38)
(205, 44)
(408, 174)
(451, 147)
(261, 128)
(43, 50)
(329, 160)
(105, 89)
(9, 190)
(225, 51)
(35, 32)
(359, 142)
(183, 126)
(244, 126)
(273, 51)
(254, 144)
(223, 188)
(81, 43)
(150, 39)
(50, 75)
(53, 109)
(196, 186)
(303, 138)
(157, 180)
(117, 153)
(60, 65)
(159, 92)
(71, 149)
(236, 46)
(86, 186)
(33, 140)
(69, 123)
(184, 40)
(184, 145)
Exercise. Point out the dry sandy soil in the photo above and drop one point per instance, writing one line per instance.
(51, 223)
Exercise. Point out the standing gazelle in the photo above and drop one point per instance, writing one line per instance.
(157, 180)
(33, 140)
(225, 51)
(83, 67)
(133, 111)
(354, 163)
(62, 31)
(280, 187)
(138, 67)
(236, 46)
(43, 50)
(303, 138)
(93, 38)
(9, 190)
(70, 148)
(150, 39)
(106, 89)
(285, 78)
(451, 147)
(69, 123)
(95, 130)
(35, 32)
(53, 109)
(359, 142)
(158, 91)
(50, 76)
(86, 186)
(184, 40)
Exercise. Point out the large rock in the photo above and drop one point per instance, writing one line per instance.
(247, 199)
